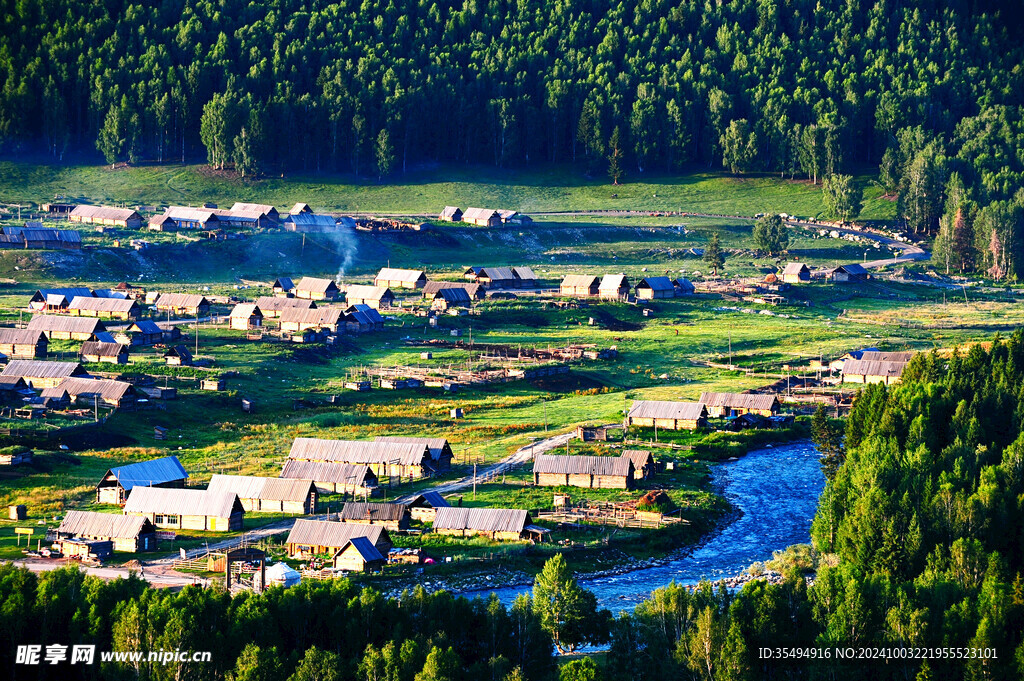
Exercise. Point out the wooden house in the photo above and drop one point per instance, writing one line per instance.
(847, 273)
(141, 332)
(887, 356)
(129, 534)
(183, 304)
(295, 320)
(178, 356)
(397, 278)
(268, 495)
(100, 392)
(60, 327)
(310, 223)
(394, 459)
(504, 524)
(451, 214)
(683, 286)
(34, 236)
(441, 454)
(57, 208)
(53, 398)
(117, 483)
(393, 517)
(872, 371)
(423, 507)
(796, 273)
(650, 288)
(598, 472)
(187, 509)
(724, 405)
(266, 209)
(282, 286)
(475, 291)
(579, 285)
(42, 374)
(362, 319)
(484, 217)
(107, 308)
(246, 317)
(23, 343)
(183, 217)
(359, 555)
(667, 415)
(273, 306)
(313, 288)
(13, 389)
(55, 299)
(299, 208)
(523, 277)
(513, 217)
(107, 216)
(97, 351)
(448, 298)
(309, 538)
(95, 551)
(377, 297)
(333, 478)
(644, 466)
(614, 287)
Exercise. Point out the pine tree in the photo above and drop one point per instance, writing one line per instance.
(713, 254)
(615, 157)
(385, 154)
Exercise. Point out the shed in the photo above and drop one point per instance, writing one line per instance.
(847, 273)
(475, 291)
(733, 404)
(667, 415)
(644, 466)
(377, 297)
(613, 287)
(273, 306)
(579, 285)
(394, 517)
(141, 332)
(300, 208)
(84, 549)
(423, 506)
(268, 495)
(188, 304)
(187, 509)
(23, 343)
(650, 288)
(441, 454)
(313, 288)
(451, 214)
(333, 478)
(796, 273)
(282, 286)
(448, 298)
(56, 298)
(362, 318)
(309, 538)
(106, 215)
(130, 534)
(178, 356)
(98, 351)
(402, 459)
(599, 472)
(60, 327)
(295, 319)
(117, 483)
(397, 278)
(310, 223)
(42, 374)
(872, 371)
(108, 308)
(246, 316)
(359, 555)
(184, 217)
(262, 208)
(494, 523)
(484, 217)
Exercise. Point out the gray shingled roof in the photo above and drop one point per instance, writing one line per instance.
(245, 310)
(436, 445)
(332, 534)
(275, 304)
(482, 519)
(433, 287)
(321, 316)
(578, 281)
(315, 285)
(255, 487)
(359, 510)
(176, 501)
(880, 356)
(395, 274)
(613, 282)
(328, 471)
(65, 324)
(739, 400)
(561, 464)
(92, 524)
(363, 292)
(358, 451)
(37, 368)
(181, 300)
(102, 304)
(20, 336)
(102, 349)
(103, 212)
(863, 367)
(681, 411)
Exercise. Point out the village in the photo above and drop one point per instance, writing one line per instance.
(80, 360)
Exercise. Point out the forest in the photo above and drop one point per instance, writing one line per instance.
(929, 92)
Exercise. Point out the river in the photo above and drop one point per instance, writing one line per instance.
(776, 492)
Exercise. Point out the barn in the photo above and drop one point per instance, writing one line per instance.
(377, 297)
(130, 534)
(393, 517)
(261, 208)
(98, 351)
(796, 273)
(399, 459)
(598, 472)
(451, 214)
(187, 304)
(268, 495)
(448, 298)
(183, 217)
(42, 374)
(362, 318)
(246, 317)
(389, 276)
(107, 308)
(313, 288)
(650, 288)
(99, 392)
(483, 217)
(644, 466)
(273, 306)
(142, 332)
(723, 405)
(492, 277)
(310, 223)
(872, 371)
(295, 320)
(117, 483)
(23, 343)
(614, 287)
(475, 291)
(107, 216)
(333, 478)
(441, 454)
(579, 285)
(187, 509)
(847, 273)
(59, 327)
(667, 415)
(423, 506)
(506, 524)
(309, 538)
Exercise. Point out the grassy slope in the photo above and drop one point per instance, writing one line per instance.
(426, 192)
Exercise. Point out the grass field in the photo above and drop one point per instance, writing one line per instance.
(427, 191)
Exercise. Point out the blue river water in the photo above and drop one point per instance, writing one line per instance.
(776, 492)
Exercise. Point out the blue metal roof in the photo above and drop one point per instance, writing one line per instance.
(146, 473)
(366, 548)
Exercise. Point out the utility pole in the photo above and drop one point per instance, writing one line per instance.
(474, 482)
(545, 417)
(730, 348)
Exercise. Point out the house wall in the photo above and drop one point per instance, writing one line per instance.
(24, 350)
(350, 559)
(389, 525)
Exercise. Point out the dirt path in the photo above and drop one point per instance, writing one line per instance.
(160, 577)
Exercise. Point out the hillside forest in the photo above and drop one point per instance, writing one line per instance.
(929, 92)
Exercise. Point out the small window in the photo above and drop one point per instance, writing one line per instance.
(159, 520)
(173, 519)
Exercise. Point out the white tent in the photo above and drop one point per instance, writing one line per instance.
(280, 574)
